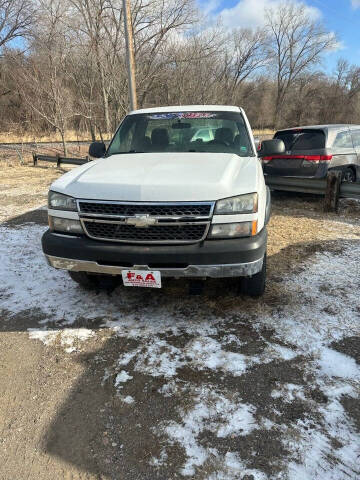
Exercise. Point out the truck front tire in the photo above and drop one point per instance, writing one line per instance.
(255, 286)
(85, 280)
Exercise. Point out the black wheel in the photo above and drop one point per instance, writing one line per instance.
(255, 286)
(84, 279)
(348, 175)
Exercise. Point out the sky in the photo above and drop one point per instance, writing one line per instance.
(339, 16)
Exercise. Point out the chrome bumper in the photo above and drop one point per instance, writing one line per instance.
(212, 271)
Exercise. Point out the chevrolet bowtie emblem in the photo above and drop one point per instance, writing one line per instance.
(141, 221)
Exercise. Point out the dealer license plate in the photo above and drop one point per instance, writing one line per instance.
(141, 278)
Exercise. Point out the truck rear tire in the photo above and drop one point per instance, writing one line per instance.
(255, 286)
(85, 280)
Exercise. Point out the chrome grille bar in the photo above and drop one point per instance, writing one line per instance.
(190, 227)
(120, 209)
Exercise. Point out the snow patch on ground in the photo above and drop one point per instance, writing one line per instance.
(128, 399)
(233, 467)
(158, 358)
(159, 462)
(317, 458)
(47, 337)
(336, 364)
(69, 338)
(212, 412)
(120, 378)
(289, 392)
(206, 352)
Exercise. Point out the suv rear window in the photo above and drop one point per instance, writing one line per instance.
(302, 139)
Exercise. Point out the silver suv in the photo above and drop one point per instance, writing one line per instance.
(311, 151)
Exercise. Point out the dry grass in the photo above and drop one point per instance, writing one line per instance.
(264, 131)
(75, 136)
(71, 136)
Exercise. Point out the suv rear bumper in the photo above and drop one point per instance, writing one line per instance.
(316, 171)
(211, 258)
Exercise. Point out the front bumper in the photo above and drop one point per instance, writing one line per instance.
(211, 258)
(191, 271)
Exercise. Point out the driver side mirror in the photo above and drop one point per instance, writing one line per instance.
(271, 147)
(97, 149)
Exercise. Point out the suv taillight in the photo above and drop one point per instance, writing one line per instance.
(265, 160)
(310, 158)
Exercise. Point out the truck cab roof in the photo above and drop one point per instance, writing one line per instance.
(189, 108)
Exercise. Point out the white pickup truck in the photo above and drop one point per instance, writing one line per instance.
(179, 192)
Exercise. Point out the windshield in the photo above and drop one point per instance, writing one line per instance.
(220, 132)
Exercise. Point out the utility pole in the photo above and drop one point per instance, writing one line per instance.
(130, 54)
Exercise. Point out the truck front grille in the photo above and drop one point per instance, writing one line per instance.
(154, 210)
(170, 222)
(158, 233)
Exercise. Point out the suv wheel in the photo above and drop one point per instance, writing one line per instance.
(255, 286)
(348, 175)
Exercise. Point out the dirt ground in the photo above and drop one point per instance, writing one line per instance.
(134, 384)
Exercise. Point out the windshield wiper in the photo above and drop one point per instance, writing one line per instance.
(122, 153)
(295, 140)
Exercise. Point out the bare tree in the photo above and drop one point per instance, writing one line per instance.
(42, 79)
(245, 54)
(73, 74)
(156, 24)
(343, 93)
(16, 17)
(297, 44)
(93, 19)
(192, 69)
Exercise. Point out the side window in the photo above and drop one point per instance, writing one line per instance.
(343, 140)
(356, 137)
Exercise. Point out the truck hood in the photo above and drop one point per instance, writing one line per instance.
(156, 177)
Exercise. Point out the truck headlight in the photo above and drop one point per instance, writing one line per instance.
(60, 201)
(65, 225)
(241, 204)
(233, 230)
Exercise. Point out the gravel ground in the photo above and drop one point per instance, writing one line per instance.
(23, 188)
(158, 384)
